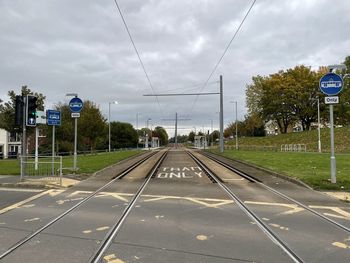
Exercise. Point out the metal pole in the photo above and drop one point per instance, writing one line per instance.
(53, 150)
(176, 130)
(212, 138)
(221, 117)
(236, 128)
(75, 144)
(24, 138)
(137, 130)
(109, 127)
(319, 125)
(333, 162)
(36, 147)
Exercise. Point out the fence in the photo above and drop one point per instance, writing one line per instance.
(293, 147)
(42, 167)
(264, 148)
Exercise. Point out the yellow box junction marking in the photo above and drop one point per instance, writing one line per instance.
(51, 192)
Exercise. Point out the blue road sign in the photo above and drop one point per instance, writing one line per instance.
(331, 84)
(76, 104)
(53, 117)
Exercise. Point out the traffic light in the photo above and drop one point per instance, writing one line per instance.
(31, 110)
(19, 111)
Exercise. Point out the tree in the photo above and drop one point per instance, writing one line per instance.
(92, 128)
(161, 133)
(123, 135)
(7, 109)
(191, 136)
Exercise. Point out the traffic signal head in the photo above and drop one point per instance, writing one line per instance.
(31, 110)
(19, 111)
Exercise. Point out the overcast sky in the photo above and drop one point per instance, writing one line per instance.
(63, 46)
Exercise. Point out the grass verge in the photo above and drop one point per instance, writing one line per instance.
(87, 164)
(311, 168)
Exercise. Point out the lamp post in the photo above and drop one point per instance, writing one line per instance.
(109, 124)
(137, 129)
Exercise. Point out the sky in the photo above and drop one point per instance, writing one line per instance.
(57, 47)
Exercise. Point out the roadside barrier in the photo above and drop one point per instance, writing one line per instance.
(293, 147)
(42, 167)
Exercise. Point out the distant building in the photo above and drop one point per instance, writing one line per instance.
(10, 144)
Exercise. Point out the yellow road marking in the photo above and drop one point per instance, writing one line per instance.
(341, 245)
(202, 237)
(87, 231)
(112, 259)
(335, 209)
(6, 209)
(294, 208)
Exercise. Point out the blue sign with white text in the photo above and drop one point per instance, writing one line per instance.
(76, 104)
(331, 84)
(53, 117)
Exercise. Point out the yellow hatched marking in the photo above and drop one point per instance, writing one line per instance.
(17, 205)
(338, 210)
(294, 208)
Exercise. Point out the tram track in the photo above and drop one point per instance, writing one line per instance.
(259, 222)
(40, 230)
(274, 191)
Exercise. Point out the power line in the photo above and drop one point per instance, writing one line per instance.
(136, 51)
(224, 53)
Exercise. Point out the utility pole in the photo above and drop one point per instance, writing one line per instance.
(176, 130)
(221, 117)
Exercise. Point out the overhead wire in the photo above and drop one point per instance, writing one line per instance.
(137, 53)
(223, 54)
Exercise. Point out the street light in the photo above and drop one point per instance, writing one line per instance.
(109, 123)
(236, 124)
(137, 128)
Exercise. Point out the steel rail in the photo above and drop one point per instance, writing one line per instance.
(250, 178)
(105, 244)
(273, 236)
(38, 231)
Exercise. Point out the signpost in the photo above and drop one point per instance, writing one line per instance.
(331, 84)
(75, 106)
(53, 118)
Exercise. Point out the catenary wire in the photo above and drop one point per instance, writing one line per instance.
(137, 52)
(224, 53)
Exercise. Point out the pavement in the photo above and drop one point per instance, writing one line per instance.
(39, 183)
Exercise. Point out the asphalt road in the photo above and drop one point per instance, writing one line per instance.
(181, 216)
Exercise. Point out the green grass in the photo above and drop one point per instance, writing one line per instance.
(9, 167)
(311, 168)
(87, 163)
(310, 138)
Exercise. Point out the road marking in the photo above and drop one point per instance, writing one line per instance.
(102, 228)
(112, 259)
(278, 226)
(338, 210)
(32, 219)
(202, 237)
(87, 231)
(17, 205)
(341, 245)
(294, 208)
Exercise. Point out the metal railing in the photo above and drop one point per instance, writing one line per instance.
(42, 167)
(293, 147)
